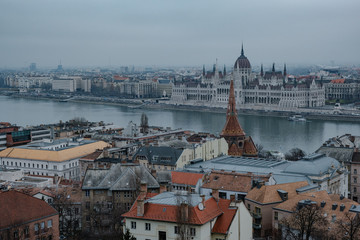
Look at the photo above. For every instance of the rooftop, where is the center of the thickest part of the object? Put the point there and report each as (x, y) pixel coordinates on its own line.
(18, 208)
(35, 152)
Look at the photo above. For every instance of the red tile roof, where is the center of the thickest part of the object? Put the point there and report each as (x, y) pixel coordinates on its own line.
(92, 156)
(168, 213)
(232, 181)
(17, 208)
(186, 178)
(224, 221)
(338, 80)
(269, 194)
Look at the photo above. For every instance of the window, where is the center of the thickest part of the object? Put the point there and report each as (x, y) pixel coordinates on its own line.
(42, 225)
(192, 231)
(88, 218)
(87, 193)
(36, 228)
(276, 215)
(127, 194)
(55, 167)
(354, 189)
(355, 179)
(77, 211)
(87, 205)
(26, 231)
(355, 171)
(133, 225)
(176, 230)
(16, 234)
(49, 223)
(147, 226)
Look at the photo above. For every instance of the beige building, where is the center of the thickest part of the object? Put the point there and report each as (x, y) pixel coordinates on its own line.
(169, 158)
(260, 202)
(53, 158)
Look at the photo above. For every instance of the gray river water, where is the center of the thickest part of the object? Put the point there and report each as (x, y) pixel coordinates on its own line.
(274, 133)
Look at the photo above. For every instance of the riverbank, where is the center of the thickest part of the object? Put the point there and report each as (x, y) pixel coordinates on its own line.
(310, 114)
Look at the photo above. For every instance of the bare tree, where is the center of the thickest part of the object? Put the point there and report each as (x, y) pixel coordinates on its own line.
(294, 154)
(307, 221)
(183, 216)
(69, 214)
(349, 226)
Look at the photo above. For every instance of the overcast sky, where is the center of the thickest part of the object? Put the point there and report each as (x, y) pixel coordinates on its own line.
(178, 32)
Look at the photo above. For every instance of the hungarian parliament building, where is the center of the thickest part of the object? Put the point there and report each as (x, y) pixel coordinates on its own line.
(271, 89)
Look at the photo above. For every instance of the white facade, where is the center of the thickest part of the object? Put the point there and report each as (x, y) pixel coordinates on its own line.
(58, 158)
(202, 232)
(271, 89)
(65, 85)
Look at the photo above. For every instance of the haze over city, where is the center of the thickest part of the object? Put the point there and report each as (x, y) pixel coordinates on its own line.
(177, 33)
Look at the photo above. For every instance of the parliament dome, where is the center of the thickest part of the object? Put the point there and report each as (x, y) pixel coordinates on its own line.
(242, 61)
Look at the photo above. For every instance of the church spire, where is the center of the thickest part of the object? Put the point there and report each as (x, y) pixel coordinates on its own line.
(242, 49)
(285, 70)
(231, 111)
(204, 70)
(224, 70)
(273, 68)
(261, 71)
(239, 144)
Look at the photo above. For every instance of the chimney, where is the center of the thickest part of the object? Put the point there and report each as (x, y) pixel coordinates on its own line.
(140, 207)
(215, 194)
(184, 212)
(153, 172)
(232, 198)
(162, 188)
(202, 199)
(143, 187)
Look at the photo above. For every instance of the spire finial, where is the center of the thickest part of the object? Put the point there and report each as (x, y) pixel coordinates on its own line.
(242, 49)
(273, 68)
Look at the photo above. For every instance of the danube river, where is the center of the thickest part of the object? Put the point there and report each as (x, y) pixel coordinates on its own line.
(274, 133)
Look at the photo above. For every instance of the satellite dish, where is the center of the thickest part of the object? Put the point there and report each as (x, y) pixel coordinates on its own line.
(201, 206)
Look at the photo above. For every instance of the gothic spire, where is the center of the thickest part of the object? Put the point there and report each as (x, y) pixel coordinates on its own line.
(224, 70)
(204, 70)
(273, 68)
(242, 49)
(261, 71)
(231, 111)
(285, 70)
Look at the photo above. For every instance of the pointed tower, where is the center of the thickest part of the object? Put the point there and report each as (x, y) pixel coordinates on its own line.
(224, 70)
(204, 70)
(273, 68)
(284, 79)
(261, 71)
(239, 144)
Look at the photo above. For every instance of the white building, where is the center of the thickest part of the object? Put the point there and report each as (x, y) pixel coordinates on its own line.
(271, 89)
(170, 215)
(71, 84)
(53, 158)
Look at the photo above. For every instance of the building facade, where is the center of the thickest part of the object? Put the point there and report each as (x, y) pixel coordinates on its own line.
(53, 158)
(271, 89)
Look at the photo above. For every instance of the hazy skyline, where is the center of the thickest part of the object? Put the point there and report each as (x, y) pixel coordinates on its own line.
(177, 33)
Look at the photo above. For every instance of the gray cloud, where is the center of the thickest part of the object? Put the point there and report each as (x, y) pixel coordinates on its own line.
(186, 32)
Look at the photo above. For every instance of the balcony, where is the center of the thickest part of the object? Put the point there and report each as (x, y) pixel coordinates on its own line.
(257, 225)
(257, 215)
